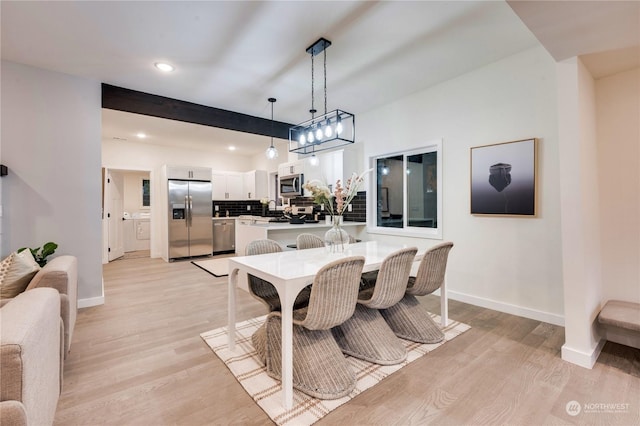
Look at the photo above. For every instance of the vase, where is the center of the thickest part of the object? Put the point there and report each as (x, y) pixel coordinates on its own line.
(336, 239)
(264, 210)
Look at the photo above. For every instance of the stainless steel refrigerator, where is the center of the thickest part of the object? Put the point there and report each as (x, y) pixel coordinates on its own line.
(190, 212)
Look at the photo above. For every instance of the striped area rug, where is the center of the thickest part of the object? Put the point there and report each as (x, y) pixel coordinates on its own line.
(265, 391)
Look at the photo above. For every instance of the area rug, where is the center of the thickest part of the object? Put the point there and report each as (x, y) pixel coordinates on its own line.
(245, 365)
(216, 267)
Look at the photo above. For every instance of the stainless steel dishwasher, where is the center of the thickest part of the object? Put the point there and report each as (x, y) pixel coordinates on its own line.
(224, 235)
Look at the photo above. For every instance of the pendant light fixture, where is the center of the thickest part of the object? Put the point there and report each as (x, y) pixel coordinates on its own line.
(271, 152)
(327, 131)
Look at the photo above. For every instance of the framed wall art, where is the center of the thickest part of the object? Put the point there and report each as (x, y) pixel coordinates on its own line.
(503, 179)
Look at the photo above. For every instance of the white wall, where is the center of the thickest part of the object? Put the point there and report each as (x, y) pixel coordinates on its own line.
(618, 132)
(508, 264)
(51, 144)
(580, 211)
(132, 196)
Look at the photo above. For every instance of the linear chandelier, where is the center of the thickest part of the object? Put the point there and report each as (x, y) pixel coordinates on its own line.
(327, 131)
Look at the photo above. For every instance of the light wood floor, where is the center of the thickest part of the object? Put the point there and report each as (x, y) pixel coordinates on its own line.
(138, 360)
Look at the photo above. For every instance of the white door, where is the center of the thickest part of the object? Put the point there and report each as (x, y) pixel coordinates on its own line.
(115, 211)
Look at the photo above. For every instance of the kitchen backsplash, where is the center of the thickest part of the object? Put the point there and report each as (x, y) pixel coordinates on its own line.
(237, 208)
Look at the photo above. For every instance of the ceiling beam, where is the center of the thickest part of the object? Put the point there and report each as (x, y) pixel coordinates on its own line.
(121, 99)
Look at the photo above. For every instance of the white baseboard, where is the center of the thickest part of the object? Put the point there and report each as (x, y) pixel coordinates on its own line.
(91, 301)
(508, 308)
(580, 358)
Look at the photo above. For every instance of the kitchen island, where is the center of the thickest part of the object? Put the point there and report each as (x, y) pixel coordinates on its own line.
(285, 233)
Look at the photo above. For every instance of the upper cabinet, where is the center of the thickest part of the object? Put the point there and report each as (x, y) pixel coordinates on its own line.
(228, 186)
(256, 185)
(189, 173)
(240, 186)
(293, 168)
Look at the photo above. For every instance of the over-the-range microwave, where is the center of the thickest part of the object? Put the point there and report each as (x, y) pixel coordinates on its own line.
(291, 186)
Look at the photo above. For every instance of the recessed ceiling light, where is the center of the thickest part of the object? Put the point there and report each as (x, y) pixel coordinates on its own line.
(232, 148)
(141, 135)
(163, 66)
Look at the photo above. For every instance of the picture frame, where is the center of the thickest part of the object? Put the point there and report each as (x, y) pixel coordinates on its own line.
(504, 179)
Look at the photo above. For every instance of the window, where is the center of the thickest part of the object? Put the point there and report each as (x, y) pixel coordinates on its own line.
(407, 193)
(146, 193)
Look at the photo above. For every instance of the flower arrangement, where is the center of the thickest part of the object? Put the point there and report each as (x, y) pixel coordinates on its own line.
(264, 201)
(343, 195)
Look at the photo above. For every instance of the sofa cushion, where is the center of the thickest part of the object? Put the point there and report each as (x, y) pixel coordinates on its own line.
(22, 267)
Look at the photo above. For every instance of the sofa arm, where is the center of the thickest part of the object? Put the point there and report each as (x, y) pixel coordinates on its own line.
(30, 358)
(13, 413)
(61, 273)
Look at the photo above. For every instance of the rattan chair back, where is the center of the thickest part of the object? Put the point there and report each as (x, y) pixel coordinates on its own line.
(306, 241)
(391, 282)
(334, 294)
(431, 271)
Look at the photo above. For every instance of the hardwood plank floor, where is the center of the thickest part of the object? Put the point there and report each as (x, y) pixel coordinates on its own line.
(139, 360)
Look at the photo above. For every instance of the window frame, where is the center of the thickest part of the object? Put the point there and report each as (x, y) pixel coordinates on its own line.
(406, 230)
(142, 181)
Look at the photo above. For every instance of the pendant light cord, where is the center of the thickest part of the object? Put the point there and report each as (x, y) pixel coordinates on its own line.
(325, 81)
(312, 110)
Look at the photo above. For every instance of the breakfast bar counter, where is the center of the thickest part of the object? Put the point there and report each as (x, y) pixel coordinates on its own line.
(285, 233)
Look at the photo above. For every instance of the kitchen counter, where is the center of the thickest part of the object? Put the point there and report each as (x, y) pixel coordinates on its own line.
(286, 233)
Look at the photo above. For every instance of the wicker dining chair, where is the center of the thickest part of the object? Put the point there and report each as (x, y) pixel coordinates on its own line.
(306, 241)
(366, 335)
(263, 290)
(319, 367)
(407, 318)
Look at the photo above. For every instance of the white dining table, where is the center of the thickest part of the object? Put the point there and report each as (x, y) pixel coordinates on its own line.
(289, 272)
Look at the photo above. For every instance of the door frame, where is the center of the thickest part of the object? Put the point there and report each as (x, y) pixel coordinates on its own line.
(106, 197)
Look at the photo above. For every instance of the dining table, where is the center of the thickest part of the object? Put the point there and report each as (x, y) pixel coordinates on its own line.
(290, 271)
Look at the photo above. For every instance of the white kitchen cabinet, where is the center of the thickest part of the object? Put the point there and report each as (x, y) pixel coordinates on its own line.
(293, 168)
(189, 173)
(255, 185)
(339, 164)
(228, 186)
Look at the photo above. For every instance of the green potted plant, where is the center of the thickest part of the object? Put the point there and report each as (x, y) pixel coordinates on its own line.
(40, 254)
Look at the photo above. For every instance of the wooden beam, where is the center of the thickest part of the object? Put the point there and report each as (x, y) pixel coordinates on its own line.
(121, 99)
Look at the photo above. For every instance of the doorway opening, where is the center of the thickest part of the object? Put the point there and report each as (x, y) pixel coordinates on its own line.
(127, 214)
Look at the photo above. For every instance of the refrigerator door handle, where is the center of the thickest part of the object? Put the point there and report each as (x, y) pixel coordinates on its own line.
(190, 211)
(186, 211)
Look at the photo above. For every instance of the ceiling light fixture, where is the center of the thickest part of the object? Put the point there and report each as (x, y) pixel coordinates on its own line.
(271, 152)
(314, 160)
(141, 135)
(163, 66)
(327, 131)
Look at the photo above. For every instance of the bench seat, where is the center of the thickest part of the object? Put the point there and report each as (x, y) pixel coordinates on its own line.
(621, 322)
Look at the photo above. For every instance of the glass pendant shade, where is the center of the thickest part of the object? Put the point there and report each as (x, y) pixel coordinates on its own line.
(328, 131)
(271, 152)
(339, 127)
